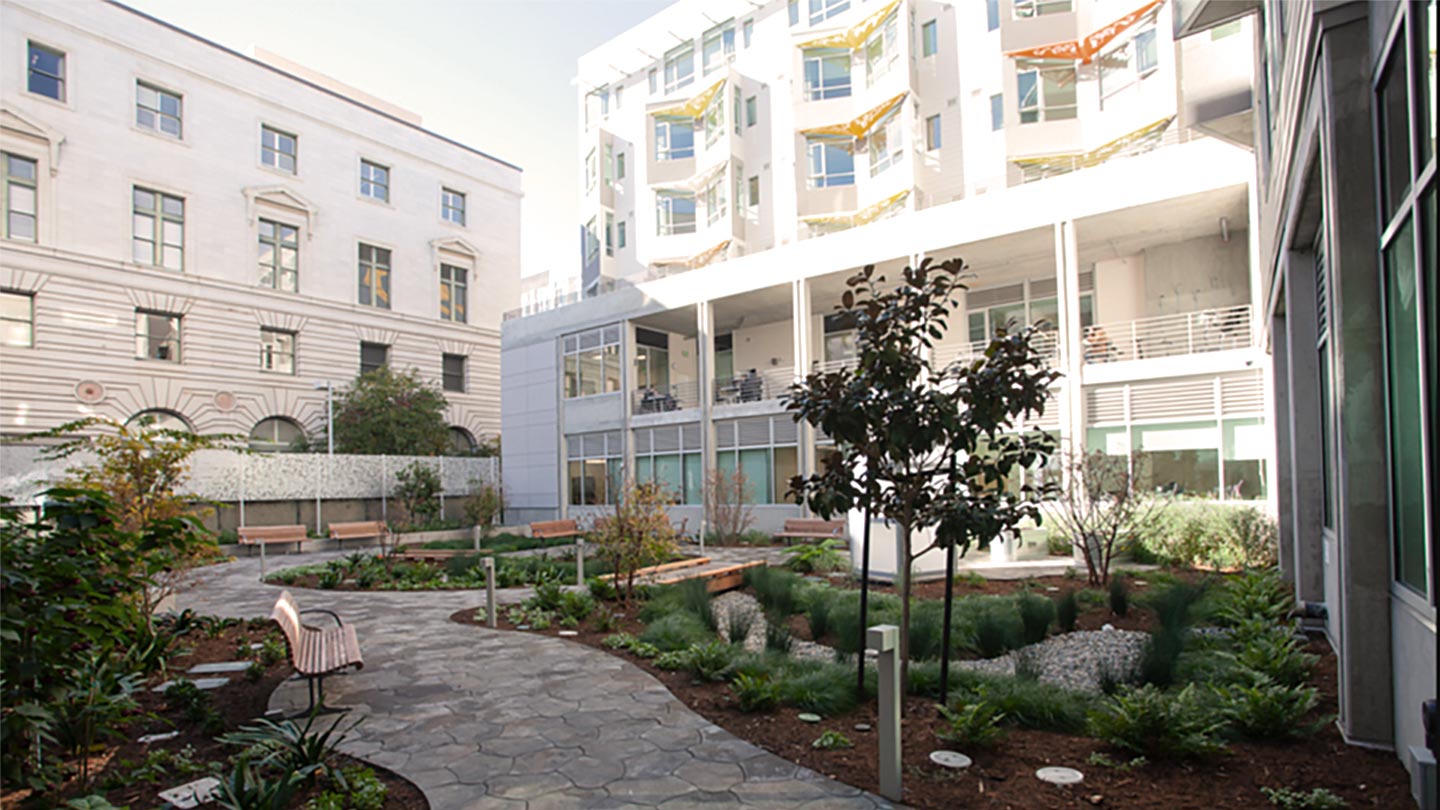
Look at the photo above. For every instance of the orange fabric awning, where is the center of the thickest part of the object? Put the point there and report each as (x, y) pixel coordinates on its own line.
(861, 124)
(707, 256)
(1084, 50)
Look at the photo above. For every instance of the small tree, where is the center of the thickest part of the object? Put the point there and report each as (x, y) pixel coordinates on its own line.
(484, 505)
(727, 502)
(385, 412)
(639, 534)
(1100, 504)
(418, 489)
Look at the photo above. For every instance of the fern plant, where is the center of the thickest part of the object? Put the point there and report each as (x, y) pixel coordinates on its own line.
(755, 693)
(1268, 710)
(1157, 724)
(976, 725)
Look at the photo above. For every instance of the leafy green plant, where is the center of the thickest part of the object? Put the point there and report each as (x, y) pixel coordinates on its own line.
(603, 590)
(1036, 614)
(1067, 611)
(484, 504)
(1317, 799)
(755, 693)
(604, 620)
(1102, 760)
(1265, 710)
(826, 689)
(831, 740)
(996, 633)
(386, 412)
(417, 489)
(363, 791)
(254, 672)
(1027, 703)
(92, 704)
(330, 579)
(818, 557)
(1173, 605)
(638, 534)
(1119, 596)
(272, 651)
(673, 661)
(1278, 655)
(246, 788)
(618, 641)
(1158, 724)
(304, 750)
(1254, 595)
(93, 802)
(695, 597)
(712, 661)
(976, 725)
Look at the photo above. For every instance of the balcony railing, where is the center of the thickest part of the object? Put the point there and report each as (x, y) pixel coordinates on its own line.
(753, 387)
(1047, 343)
(665, 398)
(1208, 330)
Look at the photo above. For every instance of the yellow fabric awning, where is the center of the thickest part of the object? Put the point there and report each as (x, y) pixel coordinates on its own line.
(862, 124)
(1100, 154)
(865, 215)
(705, 257)
(693, 108)
(857, 34)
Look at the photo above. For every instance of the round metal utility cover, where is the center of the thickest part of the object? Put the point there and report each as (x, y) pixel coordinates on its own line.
(862, 726)
(950, 759)
(808, 717)
(1060, 776)
(569, 633)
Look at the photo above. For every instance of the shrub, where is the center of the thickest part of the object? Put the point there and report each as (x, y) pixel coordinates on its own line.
(1278, 655)
(826, 689)
(676, 631)
(832, 740)
(1119, 596)
(819, 557)
(1036, 614)
(710, 662)
(483, 505)
(1254, 595)
(1151, 722)
(695, 596)
(1161, 657)
(738, 623)
(638, 534)
(300, 749)
(923, 678)
(605, 620)
(777, 589)
(1067, 611)
(1264, 709)
(673, 661)
(728, 502)
(755, 693)
(250, 789)
(927, 628)
(603, 590)
(997, 632)
(575, 605)
(417, 489)
(1318, 799)
(357, 788)
(618, 641)
(1251, 537)
(1032, 704)
(386, 412)
(976, 725)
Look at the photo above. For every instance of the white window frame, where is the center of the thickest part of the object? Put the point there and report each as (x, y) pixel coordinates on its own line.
(13, 182)
(375, 185)
(887, 40)
(717, 46)
(819, 91)
(715, 205)
(157, 113)
(1027, 9)
(1040, 109)
(454, 282)
(272, 349)
(276, 162)
(62, 80)
(28, 320)
(886, 145)
(823, 178)
(158, 215)
(449, 211)
(680, 57)
(142, 333)
(822, 10)
(577, 344)
(663, 136)
(665, 224)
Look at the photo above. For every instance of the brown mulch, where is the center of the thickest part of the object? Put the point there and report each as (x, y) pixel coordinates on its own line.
(238, 703)
(1003, 778)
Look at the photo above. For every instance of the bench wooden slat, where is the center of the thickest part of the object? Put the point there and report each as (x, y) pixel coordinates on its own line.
(315, 651)
(271, 534)
(812, 529)
(554, 528)
(357, 529)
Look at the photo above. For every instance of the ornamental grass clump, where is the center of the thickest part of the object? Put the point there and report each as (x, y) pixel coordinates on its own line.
(1036, 614)
(777, 589)
(676, 631)
(1119, 596)
(1067, 612)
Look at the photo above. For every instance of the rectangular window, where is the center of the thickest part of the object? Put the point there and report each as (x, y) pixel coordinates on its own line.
(822, 10)
(279, 256)
(1025, 9)
(592, 241)
(278, 149)
(1046, 90)
(452, 206)
(752, 111)
(1147, 52)
(793, 7)
(373, 356)
(674, 212)
(932, 133)
(17, 319)
(453, 295)
(592, 362)
(1406, 411)
(604, 95)
(374, 276)
(735, 114)
(929, 39)
(619, 166)
(992, 14)
(715, 201)
(620, 234)
(374, 181)
(832, 161)
(717, 46)
(157, 110)
(590, 168)
(452, 372)
(747, 31)
(607, 165)
(594, 468)
(158, 229)
(679, 67)
(609, 234)
(753, 189)
(157, 336)
(714, 118)
(652, 360)
(827, 73)
(674, 138)
(997, 112)
(886, 143)
(21, 191)
(654, 77)
(277, 351)
(46, 72)
(882, 49)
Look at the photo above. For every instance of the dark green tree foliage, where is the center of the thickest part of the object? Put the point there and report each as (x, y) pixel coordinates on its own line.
(384, 412)
(925, 446)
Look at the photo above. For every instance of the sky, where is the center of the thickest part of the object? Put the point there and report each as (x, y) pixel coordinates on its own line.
(496, 75)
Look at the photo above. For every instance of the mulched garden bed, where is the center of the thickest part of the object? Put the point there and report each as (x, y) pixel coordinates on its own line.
(1004, 776)
(120, 767)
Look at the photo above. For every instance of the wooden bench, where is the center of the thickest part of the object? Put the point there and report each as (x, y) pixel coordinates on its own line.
(340, 532)
(547, 529)
(265, 535)
(811, 529)
(316, 651)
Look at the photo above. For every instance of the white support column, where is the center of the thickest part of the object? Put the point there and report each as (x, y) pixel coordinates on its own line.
(562, 475)
(705, 373)
(1072, 356)
(627, 390)
(800, 316)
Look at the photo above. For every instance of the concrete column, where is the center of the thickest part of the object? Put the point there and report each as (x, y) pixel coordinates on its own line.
(885, 639)
(1072, 389)
(800, 315)
(490, 618)
(1281, 474)
(705, 372)
(562, 509)
(1302, 395)
(627, 388)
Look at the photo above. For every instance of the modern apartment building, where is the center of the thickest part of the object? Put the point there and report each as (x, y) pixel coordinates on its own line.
(1345, 141)
(206, 237)
(736, 169)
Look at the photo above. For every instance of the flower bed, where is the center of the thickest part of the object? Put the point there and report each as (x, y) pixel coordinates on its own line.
(367, 572)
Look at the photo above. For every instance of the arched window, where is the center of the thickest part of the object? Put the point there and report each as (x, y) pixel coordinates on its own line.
(462, 441)
(160, 419)
(277, 434)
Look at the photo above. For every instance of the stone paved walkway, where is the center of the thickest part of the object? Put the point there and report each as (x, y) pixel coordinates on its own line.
(495, 719)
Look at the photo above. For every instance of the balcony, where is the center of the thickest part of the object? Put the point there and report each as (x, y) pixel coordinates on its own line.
(1047, 343)
(754, 386)
(667, 398)
(1207, 330)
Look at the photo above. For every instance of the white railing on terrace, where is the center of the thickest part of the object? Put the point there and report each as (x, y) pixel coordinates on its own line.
(665, 398)
(1047, 343)
(1208, 330)
(754, 386)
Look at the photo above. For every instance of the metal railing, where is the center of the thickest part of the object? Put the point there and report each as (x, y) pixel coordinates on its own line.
(753, 386)
(1047, 343)
(1207, 330)
(665, 398)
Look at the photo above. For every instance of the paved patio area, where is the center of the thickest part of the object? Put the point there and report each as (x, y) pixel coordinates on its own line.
(495, 719)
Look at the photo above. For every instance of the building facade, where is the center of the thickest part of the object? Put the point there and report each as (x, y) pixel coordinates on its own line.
(212, 239)
(1345, 140)
(735, 171)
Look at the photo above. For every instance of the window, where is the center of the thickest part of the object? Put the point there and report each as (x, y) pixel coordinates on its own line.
(452, 206)
(1147, 52)
(886, 143)
(674, 138)
(277, 351)
(594, 468)
(592, 241)
(592, 362)
(997, 112)
(279, 256)
(21, 190)
(374, 276)
(674, 212)
(159, 419)
(761, 449)
(714, 117)
(882, 49)
(157, 110)
(752, 111)
(1116, 72)
(747, 31)
(46, 72)
(278, 149)
(932, 133)
(452, 372)
(277, 435)
(373, 356)
(832, 161)
(717, 45)
(840, 347)
(793, 7)
(679, 67)
(827, 73)
(604, 95)
(619, 166)
(609, 234)
(157, 336)
(822, 10)
(1046, 90)
(654, 77)
(453, 297)
(374, 181)
(17, 319)
(620, 234)
(929, 39)
(590, 167)
(1037, 8)
(652, 360)
(724, 358)
(669, 456)
(715, 201)
(753, 192)
(735, 115)
(992, 14)
(158, 229)
(462, 441)
(607, 165)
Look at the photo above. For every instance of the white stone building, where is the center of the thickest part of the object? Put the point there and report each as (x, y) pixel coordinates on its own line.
(203, 235)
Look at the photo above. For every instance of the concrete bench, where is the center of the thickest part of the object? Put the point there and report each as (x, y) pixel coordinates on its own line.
(547, 529)
(811, 529)
(359, 530)
(315, 651)
(265, 535)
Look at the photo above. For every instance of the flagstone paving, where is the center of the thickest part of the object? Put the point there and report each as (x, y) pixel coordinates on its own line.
(494, 719)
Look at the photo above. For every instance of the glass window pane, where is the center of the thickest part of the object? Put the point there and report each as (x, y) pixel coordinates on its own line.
(174, 233)
(173, 206)
(596, 478)
(172, 258)
(591, 371)
(20, 168)
(755, 465)
(786, 467)
(577, 482)
(21, 226)
(694, 478)
(669, 474)
(142, 227)
(1407, 459)
(1395, 131)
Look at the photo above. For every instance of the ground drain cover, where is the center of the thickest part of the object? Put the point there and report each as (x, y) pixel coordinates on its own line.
(950, 759)
(200, 683)
(569, 633)
(219, 667)
(810, 718)
(1060, 776)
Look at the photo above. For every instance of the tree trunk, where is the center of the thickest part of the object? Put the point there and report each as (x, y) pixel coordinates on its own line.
(904, 560)
(864, 604)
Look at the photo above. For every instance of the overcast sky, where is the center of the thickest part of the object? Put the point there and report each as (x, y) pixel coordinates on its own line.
(492, 74)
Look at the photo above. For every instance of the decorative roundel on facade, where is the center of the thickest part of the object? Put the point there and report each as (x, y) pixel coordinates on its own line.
(225, 401)
(89, 391)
